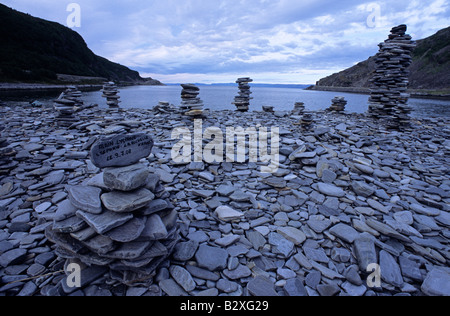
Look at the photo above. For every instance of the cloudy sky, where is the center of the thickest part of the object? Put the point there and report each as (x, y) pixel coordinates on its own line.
(272, 41)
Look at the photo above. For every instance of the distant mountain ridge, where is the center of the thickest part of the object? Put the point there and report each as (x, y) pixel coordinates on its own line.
(36, 50)
(430, 69)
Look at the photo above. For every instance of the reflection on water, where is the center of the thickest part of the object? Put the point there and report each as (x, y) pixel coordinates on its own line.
(220, 98)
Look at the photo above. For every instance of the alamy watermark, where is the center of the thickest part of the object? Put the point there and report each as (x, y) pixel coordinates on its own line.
(74, 18)
(74, 275)
(374, 278)
(222, 147)
(373, 20)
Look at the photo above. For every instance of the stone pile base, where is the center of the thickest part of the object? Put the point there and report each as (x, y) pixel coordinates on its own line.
(120, 223)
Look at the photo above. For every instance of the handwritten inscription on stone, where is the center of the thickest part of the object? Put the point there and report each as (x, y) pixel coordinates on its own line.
(122, 150)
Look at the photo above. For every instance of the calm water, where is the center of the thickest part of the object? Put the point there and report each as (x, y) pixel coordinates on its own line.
(220, 98)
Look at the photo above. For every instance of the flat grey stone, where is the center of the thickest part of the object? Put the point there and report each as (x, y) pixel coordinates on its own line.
(12, 257)
(129, 251)
(106, 221)
(99, 244)
(344, 232)
(328, 290)
(294, 287)
(127, 178)
(437, 282)
(365, 251)
(69, 225)
(155, 206)
(126, 202)
(240, 272)
(292, 234)
(280, 245)
(211, 258)
(330, 190)
(276, 182)
(227, 214)
(129, 231)
(227, 286)
(121, 150)
(154, 229)
(171, 288)
(202, 273)
(85, 198)
(363, 189)
(185, 251)
(390, 270)
(261, 287)
(182, 277)
(65, 210)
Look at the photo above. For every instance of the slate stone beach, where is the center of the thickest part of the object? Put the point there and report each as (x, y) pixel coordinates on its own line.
(93, 201)
(350, 195)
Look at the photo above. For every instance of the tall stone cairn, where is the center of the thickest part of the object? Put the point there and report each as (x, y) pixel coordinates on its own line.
(191, 104)
(110, 92)
(66, 106)
(242, 101)
(120, 225)
(389, 97)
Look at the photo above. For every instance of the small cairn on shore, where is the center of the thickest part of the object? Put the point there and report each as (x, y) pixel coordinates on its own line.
(191, 104)
(242, 101)
(338, 105)
(120, 222)
(163, 107)
(110, 92)
(268, 109)
(389, 97)
(66, 106)
(307, 121)
(299, 108)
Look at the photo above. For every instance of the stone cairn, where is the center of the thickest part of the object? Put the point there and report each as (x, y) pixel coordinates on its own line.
(299, 108)
(338, 105)
(268, 109)
(120, 222)
(110, 92)
(66, 106)
(389, 97)
(191, 104)
(242, 101)
(307, 121)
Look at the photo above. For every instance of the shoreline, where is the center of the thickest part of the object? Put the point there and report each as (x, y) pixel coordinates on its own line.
(366, 91)
(346, 191)
(36, 87)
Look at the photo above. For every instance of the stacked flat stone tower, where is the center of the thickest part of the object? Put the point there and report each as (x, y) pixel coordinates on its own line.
(191, 104)
(389, 97)
(338, 105)
(66, 106)
(120, 223)
(299, 108)
(110, 92)
(242, 101)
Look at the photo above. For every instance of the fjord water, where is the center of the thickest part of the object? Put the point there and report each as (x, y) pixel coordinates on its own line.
(218, 97)
(282, 99)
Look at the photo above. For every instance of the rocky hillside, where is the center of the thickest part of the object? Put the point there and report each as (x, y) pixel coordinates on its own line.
(36, 50)
(430, 69)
